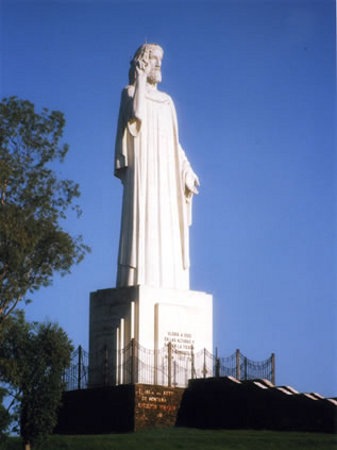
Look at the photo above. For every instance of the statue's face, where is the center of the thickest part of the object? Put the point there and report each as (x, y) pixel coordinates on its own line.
(155, 60)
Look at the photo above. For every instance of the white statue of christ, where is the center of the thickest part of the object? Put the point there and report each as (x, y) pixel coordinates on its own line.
(157, 178)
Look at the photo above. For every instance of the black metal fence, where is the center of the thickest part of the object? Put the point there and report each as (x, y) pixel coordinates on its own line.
(76, 376)
(167, 366)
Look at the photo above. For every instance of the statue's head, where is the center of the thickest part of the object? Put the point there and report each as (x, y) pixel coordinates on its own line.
(145, 54)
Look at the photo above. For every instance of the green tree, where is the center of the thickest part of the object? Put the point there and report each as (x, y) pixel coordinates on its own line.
(5, 418)
(33, 358)
(33, 201)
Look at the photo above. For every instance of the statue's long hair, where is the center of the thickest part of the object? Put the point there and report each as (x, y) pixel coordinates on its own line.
(142, 53)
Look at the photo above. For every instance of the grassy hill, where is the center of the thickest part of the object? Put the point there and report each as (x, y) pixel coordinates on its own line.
(190, 439)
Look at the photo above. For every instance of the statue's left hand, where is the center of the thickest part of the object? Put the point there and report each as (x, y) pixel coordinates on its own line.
(191, 183)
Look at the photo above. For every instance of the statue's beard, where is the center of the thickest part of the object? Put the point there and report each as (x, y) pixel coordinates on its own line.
(154, 76)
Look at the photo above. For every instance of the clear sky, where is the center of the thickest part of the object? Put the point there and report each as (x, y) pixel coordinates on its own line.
(254, 86)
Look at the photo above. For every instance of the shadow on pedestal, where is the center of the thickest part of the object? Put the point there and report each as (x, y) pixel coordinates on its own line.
(122, 408)
(212, 403)
(229, 404)
(95, 411)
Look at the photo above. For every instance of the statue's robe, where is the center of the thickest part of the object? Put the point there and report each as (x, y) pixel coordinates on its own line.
(156, 214)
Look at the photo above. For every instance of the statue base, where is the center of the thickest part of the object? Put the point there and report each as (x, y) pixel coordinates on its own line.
(142, 334)
(118, 409)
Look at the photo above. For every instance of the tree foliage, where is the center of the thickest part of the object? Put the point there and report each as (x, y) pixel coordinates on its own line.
(33, 358)
(33, 200)
(5, 418)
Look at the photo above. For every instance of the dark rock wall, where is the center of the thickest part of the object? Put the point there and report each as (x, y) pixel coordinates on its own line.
(207, 403)
(96, 411)
(223, 403)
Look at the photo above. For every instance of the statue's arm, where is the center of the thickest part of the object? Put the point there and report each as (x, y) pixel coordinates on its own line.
(121, 148)
(190, 178)
(190, 182)
(131, 114)
(134, 110)
(138, 104)
(137, 93)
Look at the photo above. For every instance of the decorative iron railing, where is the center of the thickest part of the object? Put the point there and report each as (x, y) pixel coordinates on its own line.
(167, 366)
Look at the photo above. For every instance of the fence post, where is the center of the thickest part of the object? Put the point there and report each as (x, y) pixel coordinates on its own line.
(132, 368)
(106, 366)
(238, 374)
(217, 363)
(155, 365)
(246, 366)
(133, 361)
(119, 365)
(273, 377)
(169, 364)
(192, 362)
(79, 367)
(204, 370)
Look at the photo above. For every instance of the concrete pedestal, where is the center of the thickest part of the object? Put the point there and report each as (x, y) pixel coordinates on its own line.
(148, 335)
(118, 409)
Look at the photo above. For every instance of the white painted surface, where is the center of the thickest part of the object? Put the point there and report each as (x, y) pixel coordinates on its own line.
(158, 182)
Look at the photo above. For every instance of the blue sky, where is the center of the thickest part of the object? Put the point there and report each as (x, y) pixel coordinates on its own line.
(254, 86)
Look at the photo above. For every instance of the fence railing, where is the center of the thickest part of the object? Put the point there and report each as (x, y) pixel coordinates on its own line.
(76, 376)
(167, 366)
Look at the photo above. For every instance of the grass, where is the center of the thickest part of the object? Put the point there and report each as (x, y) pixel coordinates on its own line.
(190, 439)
